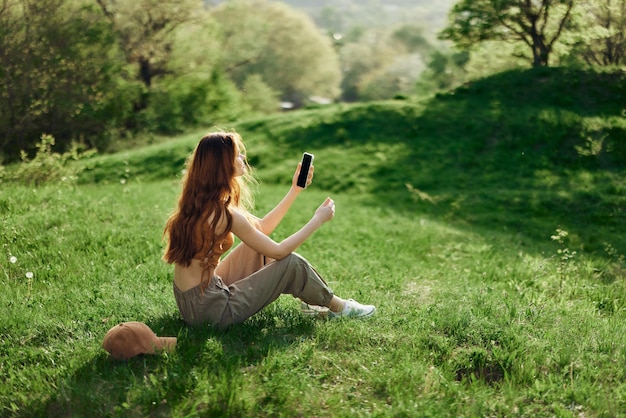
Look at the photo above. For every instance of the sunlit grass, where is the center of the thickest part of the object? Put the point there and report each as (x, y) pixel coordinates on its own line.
(469, 322)
(487, 228)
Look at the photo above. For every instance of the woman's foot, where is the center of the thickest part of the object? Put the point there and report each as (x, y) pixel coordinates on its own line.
(353, 309)
(339, 308)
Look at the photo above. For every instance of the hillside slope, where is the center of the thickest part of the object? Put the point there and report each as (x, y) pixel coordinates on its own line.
(532, 150)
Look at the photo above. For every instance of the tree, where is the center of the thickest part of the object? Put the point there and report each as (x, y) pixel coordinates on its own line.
(284, 47)
(413, 39)
(146, 31)
(600, 32)
(382, 64)
(56, 74)
(536, 23)
(259, 96)
(445, 70)
(170, 48)
(364, 58)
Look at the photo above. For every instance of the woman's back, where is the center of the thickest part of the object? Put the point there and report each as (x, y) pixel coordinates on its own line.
(207, 257)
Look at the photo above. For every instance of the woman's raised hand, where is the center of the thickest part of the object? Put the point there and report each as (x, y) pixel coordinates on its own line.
(326, 211)
(309, 179)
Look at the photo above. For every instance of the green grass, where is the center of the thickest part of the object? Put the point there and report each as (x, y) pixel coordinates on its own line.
(445, 213)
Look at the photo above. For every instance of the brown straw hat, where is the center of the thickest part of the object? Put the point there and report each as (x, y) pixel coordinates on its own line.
(129, 339)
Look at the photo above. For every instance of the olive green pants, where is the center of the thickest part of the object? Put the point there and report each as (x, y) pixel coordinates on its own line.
(253, 284)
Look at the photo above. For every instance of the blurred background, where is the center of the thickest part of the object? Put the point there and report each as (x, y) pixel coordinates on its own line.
(98, 74)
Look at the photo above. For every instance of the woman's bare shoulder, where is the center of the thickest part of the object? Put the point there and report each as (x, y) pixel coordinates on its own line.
(242, 220)
(222, 223)
(238, 214)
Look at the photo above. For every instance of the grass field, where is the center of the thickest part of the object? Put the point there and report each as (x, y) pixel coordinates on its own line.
(488, 228)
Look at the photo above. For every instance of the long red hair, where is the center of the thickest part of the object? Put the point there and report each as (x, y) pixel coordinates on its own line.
(210, 187)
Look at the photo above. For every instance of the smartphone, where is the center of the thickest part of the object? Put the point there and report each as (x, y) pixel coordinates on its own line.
(307, 162)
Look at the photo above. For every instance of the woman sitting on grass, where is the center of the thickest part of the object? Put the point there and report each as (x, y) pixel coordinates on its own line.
(212, 207)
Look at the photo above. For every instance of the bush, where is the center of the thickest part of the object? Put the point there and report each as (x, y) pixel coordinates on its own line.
(259, 96)
(47, 166)
(178, 104)
(58, 75)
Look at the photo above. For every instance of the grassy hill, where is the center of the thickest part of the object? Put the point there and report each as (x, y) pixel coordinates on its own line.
(526, 150)
(487, 225)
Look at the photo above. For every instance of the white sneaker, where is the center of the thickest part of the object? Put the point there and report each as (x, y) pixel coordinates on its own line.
(354, 309)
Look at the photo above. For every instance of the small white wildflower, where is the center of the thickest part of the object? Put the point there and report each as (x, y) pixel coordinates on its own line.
(29, 274)
(13, 259)
(122, 181)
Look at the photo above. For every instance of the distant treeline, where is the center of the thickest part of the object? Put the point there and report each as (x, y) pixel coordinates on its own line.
(91, 72)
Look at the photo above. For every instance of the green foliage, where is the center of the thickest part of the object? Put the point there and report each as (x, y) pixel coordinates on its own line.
(99, 72)
(413, 38)
(445, 70)
(382, 64)
(565, 256)
(536, 24)
(47, 166)
(146, 29)
(176, 104)
(281, 45)
(493, 57)
(57, 77)
(596, 34)
(259, 96)
(120, 76)
(396, 80)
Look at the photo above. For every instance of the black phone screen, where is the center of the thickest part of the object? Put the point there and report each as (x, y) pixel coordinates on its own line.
(307, 160)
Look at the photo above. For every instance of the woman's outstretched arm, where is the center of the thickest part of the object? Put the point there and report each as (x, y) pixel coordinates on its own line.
(266, 246)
